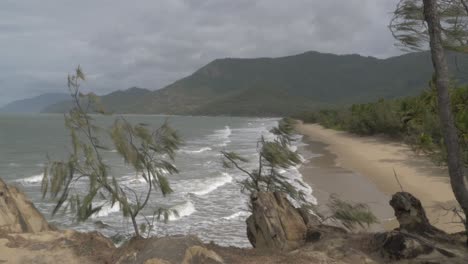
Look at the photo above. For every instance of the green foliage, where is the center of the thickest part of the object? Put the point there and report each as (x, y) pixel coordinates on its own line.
(412, 119)
(150, 153)
(273, 156)
(410, 29)
(350, 215)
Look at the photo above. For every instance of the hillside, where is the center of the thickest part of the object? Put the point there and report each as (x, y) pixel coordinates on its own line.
(285, 85)
(34, 104)
(127, 101)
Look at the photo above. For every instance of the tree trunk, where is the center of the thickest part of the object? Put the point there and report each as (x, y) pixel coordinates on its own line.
(135, 225)
(455, 164)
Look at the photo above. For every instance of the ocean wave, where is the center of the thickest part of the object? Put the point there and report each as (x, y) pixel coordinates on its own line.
(240, 214)
(294, 177)
(32, 180)
(133, 180)
(12, 164)
(182, 210)
(212, 184)
(224, 135)
(106, 210)
(195, 151)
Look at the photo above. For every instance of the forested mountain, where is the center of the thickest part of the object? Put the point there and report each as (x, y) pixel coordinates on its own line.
(285, 85)
(34, 104)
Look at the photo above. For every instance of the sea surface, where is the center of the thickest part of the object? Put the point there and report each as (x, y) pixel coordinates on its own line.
(207, 196)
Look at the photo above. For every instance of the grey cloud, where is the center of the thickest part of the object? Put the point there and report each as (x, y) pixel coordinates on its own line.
(151, 43)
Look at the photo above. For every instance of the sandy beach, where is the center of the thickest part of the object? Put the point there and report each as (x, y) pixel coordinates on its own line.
(361, 169)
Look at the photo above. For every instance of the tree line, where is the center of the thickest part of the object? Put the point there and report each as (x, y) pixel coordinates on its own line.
(413, 120)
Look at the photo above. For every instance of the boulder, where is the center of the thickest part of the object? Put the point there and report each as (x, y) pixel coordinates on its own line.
(174, 249)
(416, 239)
(412, 217)
(275, 223)
(18, 214)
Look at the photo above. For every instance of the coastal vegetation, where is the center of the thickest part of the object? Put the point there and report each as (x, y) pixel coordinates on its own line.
(150, 152)
(413, 120)
(435, 122)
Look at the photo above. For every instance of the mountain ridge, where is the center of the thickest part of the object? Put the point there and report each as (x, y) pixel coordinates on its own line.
(33, 104)
(283, 85)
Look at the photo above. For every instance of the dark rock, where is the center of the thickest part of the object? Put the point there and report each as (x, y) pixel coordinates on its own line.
(412, 216)
(416, 239)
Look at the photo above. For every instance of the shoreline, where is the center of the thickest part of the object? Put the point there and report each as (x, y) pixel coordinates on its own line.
(360, 169)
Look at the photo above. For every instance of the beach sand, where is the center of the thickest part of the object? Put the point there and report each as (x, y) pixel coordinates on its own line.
(361, 169)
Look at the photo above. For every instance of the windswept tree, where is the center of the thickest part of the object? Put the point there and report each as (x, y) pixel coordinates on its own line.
(150, 152)
(410, 28)
(273, 156)
(442, 25)
(276, 155)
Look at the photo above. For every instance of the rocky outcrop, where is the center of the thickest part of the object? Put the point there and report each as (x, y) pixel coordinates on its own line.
(279, 232)
(167, 250)
(18, 214)
(55, 247)
(416, 239)
(275, 223)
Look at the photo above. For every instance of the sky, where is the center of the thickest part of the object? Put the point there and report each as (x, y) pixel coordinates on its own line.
(152, 43)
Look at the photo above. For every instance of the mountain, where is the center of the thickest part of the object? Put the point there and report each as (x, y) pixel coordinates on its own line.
(34, 104)
(127, 101)
(285, 85)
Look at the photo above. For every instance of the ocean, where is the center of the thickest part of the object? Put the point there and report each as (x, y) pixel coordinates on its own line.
(206, 196)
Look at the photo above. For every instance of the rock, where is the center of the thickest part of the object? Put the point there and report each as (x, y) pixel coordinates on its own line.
(198, 254)
(275, 223)
(416, 239)
(156, 261)
(18, 214)
(412, 217)
(174, 249)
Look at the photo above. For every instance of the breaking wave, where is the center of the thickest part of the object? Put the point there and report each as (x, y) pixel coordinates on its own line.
(32, 180)
(213, 184)
(241, 214)
(106, 210)
(195, 151)
(183, 210)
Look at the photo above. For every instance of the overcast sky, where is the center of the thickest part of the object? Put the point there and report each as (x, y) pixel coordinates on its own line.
(151, 43)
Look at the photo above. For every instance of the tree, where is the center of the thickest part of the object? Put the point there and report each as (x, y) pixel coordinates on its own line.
(409, 28)
(150, 153)
(435, 14)
(276, 155)
(273, 156)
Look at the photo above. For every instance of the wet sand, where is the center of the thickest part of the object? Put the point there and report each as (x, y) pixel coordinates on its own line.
(360, 169)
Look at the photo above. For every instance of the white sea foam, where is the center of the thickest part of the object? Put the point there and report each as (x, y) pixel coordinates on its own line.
(238, 215)
(183, 210)
(106, 210)
(12, 164)
(224, 135)
(195, 151)
(133, 180)
(212, 184)
(32, 180)
(294, 177)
